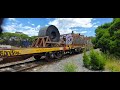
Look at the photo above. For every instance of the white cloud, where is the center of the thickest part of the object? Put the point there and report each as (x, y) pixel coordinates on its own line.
(29, 30)
(46, 25)
(95, 26)
(9, 28)
(38, 26)
(83, 32)
(65, 24)
(12, 19)
(72, 22)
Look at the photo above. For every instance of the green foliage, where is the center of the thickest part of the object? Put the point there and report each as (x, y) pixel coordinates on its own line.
(97, 60)
(32, 38)
(1, 41)
(108, 37)
(15, 39)
(115, 26)
(112, 63)
(93, 39)
(70, 67)
(94, 60)
(86, 60)
(104, 41)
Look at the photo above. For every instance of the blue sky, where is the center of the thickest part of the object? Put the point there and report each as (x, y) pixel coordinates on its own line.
(31, 26)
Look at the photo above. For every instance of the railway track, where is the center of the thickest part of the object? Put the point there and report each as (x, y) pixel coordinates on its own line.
(28, 64)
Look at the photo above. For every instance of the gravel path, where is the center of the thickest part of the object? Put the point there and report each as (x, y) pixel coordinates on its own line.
(59, 65)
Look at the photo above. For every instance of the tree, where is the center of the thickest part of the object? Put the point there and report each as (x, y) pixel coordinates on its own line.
(16, 39)
(108, 37)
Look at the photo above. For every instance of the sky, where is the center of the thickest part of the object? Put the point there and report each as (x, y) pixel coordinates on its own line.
(31, 26)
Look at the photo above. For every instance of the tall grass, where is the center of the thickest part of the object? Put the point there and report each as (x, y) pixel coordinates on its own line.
(70, 67)
(112, 63)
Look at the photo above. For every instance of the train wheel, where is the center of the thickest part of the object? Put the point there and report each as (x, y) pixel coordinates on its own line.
(70, 52)
(58, 55)
(79, 50)
(37, 57)
(73, 51)
(48, 57)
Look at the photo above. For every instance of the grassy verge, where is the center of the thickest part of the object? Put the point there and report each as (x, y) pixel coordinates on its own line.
(100, 61)
(112, 64)
(70, 67)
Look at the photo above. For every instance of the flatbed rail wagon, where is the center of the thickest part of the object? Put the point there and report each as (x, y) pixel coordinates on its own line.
(49, 44)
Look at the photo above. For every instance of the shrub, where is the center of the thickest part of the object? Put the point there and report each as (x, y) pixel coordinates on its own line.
(97, 60)
(70, 67)
(86, 60)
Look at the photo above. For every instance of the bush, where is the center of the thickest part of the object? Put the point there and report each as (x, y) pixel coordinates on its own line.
(97, 60)
(70, 67)
(94, 60)
(86, 60)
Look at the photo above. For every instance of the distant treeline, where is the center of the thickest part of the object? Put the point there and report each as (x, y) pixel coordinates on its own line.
(108, 37)
(16, 39)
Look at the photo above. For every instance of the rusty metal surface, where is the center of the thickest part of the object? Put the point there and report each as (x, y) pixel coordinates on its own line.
(45, 42)
(74, 39)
